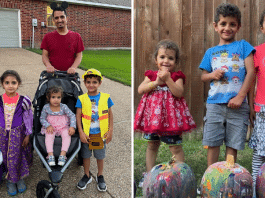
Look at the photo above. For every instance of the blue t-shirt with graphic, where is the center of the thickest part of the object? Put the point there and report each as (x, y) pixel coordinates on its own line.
(94, 127)
(230, 58)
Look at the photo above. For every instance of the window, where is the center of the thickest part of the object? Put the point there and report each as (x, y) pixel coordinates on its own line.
(49, 17)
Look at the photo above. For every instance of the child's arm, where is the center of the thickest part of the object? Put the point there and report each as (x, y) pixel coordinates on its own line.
(239, 98)
(72, 119)
(147, 85)
(109, 134)
(83, 136)
(215, 75)
(251, 93)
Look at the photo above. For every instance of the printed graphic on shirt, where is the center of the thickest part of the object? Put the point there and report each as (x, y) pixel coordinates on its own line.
(94, 119)
(234, 75)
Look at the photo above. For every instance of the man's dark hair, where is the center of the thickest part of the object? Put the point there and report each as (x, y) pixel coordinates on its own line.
(227, 10)
(63, 7)
(261, 21)
(91, 76)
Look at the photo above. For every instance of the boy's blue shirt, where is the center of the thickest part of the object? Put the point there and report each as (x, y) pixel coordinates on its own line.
(94, 127)
(229, 58)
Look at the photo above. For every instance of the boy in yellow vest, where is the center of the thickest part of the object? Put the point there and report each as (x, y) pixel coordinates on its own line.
(94, 119)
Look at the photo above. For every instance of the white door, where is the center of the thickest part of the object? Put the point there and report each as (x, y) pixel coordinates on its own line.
(9, 28)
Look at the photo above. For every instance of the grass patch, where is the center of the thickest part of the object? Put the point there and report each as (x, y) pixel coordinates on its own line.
(113, 64)
(195, 157)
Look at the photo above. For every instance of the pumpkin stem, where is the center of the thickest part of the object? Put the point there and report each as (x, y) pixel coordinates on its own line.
(230, 162)
(173, 160)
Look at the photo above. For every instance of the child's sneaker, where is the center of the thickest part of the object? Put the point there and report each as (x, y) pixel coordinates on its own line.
(21, 186)
(61, 160)
(141, 182)
(101, 183)
(84, 181)
(51, 160)
(11, 188)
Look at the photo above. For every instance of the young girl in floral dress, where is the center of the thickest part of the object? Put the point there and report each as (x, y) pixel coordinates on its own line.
(162, 113)
(16, 121)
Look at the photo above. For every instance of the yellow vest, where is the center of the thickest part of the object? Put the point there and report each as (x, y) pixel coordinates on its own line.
(103, 113)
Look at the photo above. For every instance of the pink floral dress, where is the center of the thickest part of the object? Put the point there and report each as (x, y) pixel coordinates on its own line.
(160, 112)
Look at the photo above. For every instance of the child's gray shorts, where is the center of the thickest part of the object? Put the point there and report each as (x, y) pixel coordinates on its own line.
(98, 153)
(223, 124)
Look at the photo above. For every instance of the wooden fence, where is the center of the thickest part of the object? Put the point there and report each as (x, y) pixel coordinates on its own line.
(190, 24)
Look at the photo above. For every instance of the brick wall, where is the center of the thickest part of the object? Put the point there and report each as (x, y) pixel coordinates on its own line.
(98, 27)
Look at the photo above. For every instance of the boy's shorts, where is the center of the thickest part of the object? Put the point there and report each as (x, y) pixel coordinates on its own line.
(169, 140)
(223, 124)
(98, 153)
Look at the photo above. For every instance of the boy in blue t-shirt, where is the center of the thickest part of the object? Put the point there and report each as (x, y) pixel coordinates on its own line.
(94, 117)
(229, 68)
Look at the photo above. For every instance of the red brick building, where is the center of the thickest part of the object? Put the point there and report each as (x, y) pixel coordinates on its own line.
(101, 23)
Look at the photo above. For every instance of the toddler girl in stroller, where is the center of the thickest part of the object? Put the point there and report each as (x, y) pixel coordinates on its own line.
(55, 118)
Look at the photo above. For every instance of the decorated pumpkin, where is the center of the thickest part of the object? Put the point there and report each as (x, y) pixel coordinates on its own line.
(170, 179)
(226, 179)
(260, 182)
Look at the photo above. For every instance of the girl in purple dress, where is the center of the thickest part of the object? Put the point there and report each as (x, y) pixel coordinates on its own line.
(55, 119)
(16, 121)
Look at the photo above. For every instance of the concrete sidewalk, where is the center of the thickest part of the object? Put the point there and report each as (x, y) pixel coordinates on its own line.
(117, 166)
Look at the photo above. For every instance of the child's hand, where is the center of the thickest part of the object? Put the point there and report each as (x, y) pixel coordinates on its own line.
(163, 75)
(252, 116)
(217, 74)
(71, 131)
(235, 102)
(83, 137)
(158, 81)
(50, 129)
(108, 136)
(25, 141)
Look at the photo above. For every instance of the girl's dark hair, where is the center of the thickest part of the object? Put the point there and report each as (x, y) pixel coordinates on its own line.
(91, 76)
(53, 89)
(10, 73)
(227, 10)
(261, 21)
(167, 44)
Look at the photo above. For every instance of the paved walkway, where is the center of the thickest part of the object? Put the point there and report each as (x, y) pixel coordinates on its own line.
(117, 167)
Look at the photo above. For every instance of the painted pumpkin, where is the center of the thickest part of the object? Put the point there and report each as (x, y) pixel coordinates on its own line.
(226, 179)
(260, 182)
(170, 179)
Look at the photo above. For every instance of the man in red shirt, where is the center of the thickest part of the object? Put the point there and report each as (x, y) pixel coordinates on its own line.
(62, 48)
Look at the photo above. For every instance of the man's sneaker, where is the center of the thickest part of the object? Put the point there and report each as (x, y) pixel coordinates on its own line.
(21, 186)
(141, 182)
(84, 181)
(101, 183)
(11, 188)
(61, 160)
(51, 160)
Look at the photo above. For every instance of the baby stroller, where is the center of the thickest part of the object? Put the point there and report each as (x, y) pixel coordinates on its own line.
(72, 89)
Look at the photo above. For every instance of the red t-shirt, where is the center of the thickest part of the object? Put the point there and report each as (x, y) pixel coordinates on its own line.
(62, 49)
(259, 63)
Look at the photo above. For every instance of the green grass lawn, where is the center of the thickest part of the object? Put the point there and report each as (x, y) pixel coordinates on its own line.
(113, 64)
(195, 157)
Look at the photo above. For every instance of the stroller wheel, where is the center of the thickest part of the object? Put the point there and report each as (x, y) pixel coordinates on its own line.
(44, 187)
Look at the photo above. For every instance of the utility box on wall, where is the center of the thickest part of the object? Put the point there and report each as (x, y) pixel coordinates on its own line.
(34, 22)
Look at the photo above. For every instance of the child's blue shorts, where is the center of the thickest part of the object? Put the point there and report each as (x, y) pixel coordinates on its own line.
(223, 124)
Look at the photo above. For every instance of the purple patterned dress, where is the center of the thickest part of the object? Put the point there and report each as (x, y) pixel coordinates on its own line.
(16, 159)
